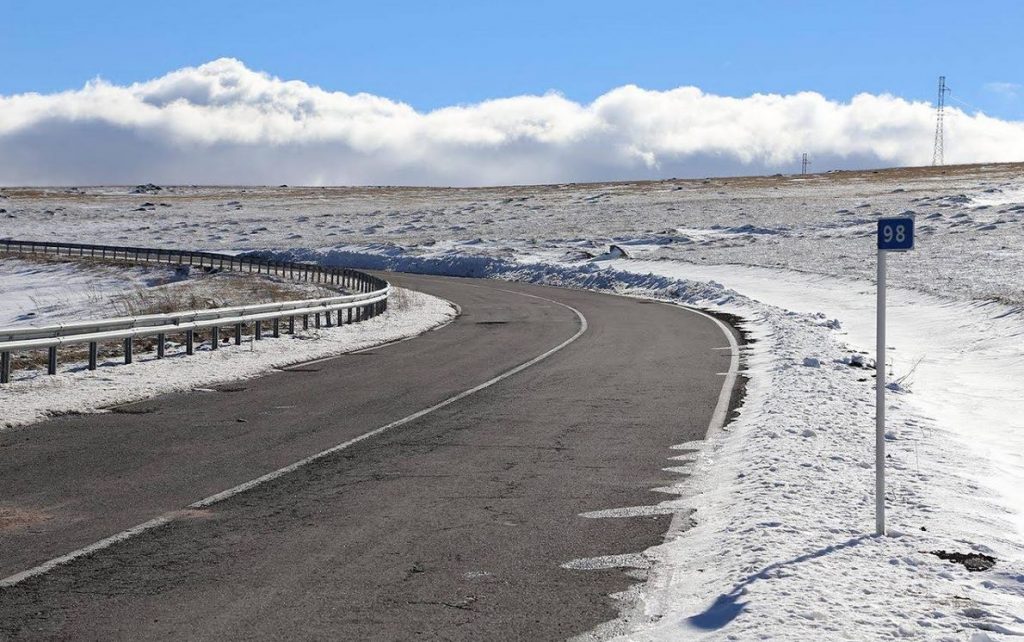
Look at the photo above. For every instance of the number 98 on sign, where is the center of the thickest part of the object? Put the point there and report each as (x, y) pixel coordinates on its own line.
(896, 234)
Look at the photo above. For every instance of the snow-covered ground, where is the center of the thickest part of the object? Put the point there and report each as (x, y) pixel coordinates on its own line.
(772, 534)
(43, 292)
(34, 395)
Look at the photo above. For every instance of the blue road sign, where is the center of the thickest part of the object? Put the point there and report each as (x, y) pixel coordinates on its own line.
(896, 234)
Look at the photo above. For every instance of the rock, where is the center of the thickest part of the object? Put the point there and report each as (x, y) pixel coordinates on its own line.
(812, 362)
(614, 252)
(971, 561)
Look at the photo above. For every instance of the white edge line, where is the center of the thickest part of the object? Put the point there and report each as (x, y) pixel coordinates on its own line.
(166, 518)
(718, 418)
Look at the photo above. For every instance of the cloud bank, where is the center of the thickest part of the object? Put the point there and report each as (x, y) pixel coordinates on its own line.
(222, 123)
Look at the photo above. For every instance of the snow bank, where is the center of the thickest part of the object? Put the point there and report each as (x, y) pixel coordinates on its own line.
(32, 395)
(590, 276)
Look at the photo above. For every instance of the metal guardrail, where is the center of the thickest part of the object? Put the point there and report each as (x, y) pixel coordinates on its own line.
(371, 300)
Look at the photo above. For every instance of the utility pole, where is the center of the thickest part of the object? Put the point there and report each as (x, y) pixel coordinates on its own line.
(803, 164)
(940, 105)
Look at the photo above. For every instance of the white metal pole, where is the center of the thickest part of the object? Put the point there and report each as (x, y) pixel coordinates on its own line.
(880, 400)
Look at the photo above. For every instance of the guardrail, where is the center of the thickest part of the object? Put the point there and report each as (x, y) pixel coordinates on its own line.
(371, 300)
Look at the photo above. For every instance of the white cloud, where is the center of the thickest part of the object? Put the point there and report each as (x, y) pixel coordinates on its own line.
(1005, 89)
(224, 123)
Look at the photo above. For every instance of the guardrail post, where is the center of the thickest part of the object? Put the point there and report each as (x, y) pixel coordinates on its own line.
(350, 315)
(127, 350)
(291, 324)
(277, 327)
(51, 361)
(316, 319)
(161, 339)
(258, 330)
(5, 367)
(214, 338)
(238, 334)
(305, 322)
(93, 353)
(190, 341)
(328, 313)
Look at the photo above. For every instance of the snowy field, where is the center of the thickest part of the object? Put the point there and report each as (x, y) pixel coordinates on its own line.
(45, 291)
(772, 533)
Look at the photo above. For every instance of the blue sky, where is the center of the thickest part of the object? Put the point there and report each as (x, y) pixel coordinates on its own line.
(434, 54)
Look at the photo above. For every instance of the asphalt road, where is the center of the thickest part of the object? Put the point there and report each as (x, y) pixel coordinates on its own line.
(455, 525)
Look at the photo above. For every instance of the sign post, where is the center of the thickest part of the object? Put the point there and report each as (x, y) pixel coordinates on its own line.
(894, 235)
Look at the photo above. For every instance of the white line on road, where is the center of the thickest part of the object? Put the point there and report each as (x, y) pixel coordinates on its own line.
(722, 407)
(49, 565)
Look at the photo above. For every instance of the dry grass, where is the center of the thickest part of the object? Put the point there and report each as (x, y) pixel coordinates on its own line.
(214, 290)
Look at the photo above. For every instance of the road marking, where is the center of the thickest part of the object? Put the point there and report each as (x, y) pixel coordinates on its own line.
(680, 521)
(722, 407)
(166, 518)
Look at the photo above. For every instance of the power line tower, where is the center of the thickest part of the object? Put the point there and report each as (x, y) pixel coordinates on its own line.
(804, 163)
(940, 105)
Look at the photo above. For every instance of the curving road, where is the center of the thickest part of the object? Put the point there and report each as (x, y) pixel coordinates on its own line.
(455, 523)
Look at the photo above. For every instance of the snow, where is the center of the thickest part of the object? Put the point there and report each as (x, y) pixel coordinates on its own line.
(964, 361)
(33, 395)
(46, 292)
(772, 531)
